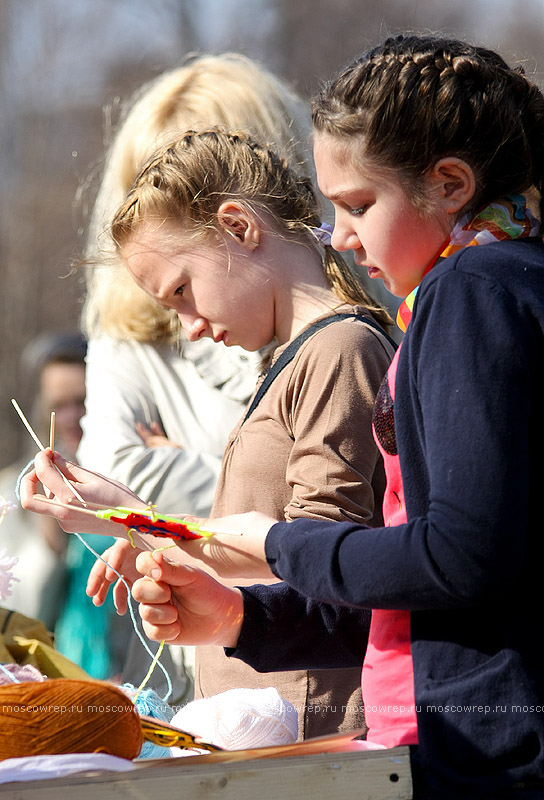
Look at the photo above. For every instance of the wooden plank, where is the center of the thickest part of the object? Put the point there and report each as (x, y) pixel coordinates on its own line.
(376, 775)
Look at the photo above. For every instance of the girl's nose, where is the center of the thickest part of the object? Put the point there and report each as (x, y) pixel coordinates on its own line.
(194, 327)
(344, 238)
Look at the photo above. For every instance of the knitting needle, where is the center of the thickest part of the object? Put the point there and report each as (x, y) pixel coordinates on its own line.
(51, 502)
(27, 425)
(52, 432)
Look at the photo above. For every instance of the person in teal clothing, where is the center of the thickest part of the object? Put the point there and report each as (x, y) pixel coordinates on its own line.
(94, 637)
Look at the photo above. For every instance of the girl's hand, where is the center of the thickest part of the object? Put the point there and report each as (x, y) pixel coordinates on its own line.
(154, 436)
(94, 488)
(184, 605)
(121, 556)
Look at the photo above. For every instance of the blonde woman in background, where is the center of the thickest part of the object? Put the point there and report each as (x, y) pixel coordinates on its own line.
(159, 408)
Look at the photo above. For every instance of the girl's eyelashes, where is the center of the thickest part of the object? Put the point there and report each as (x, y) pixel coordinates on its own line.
(179, 291)
(357, 212)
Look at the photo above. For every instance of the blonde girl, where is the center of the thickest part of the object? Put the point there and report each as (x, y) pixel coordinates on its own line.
(220, 229)
(143, 425)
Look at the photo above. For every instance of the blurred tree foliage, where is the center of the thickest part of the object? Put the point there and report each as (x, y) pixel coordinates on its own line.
(52, 134)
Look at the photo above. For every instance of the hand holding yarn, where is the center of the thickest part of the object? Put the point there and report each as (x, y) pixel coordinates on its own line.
(183, 605)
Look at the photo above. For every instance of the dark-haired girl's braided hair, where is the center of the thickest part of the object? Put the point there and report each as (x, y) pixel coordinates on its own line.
(192, 176)
(416, 99)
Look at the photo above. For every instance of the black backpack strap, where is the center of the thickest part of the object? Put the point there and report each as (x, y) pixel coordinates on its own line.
(291, 350)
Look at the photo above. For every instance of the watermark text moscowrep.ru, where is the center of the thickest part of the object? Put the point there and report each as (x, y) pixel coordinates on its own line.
(61, 709)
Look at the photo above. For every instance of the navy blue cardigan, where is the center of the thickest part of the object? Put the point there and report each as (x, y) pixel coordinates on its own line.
(468, 562)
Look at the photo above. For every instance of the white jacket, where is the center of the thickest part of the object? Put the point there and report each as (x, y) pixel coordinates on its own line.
(197, 397)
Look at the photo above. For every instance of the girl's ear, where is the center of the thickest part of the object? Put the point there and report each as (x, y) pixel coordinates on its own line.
(236, 221)
(454, 182)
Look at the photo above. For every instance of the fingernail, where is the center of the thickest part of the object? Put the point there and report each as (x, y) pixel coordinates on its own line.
(155, 574)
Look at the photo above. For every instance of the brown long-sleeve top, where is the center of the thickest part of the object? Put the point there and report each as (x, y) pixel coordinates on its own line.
(307, 450)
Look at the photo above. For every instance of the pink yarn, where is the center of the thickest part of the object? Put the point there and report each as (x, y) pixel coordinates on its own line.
(20, 674)
(6, 576)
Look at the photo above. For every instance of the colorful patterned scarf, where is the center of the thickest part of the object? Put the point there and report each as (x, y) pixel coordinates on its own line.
(508, 218)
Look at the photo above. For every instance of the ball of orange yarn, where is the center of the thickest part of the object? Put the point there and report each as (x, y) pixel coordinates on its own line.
(67, 716)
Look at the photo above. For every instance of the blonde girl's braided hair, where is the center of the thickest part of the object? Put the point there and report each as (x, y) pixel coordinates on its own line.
(416, 99)
(191, 177)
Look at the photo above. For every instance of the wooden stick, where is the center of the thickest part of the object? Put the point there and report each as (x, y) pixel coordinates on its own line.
(59, 504)
(27, 425)
(52, 431)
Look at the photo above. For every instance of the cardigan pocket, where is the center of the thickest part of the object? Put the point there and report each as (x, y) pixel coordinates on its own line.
(485, 719)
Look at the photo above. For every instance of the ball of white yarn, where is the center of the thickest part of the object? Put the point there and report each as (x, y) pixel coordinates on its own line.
(240, 718)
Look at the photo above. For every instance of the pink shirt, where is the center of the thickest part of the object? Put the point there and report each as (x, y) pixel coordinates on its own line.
(388, 675)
